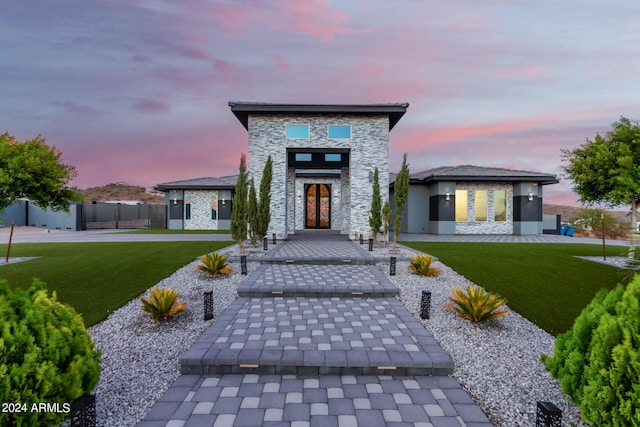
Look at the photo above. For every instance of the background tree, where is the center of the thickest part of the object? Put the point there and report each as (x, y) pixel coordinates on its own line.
(252, 214)
(264, 206)
(592, 219)
(400, 193)
(607, 169)
(239, 208)
(32, 169)
(386, 220)
(375, 218)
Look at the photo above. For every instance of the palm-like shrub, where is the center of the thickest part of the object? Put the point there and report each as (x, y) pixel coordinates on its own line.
(46, 354)
(475, 304)
(162, 304)
(421, 264)
(214, 264)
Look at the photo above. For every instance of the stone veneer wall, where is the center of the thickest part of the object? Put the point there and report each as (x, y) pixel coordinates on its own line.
(369, 148)
(200, 210)
(490, 226)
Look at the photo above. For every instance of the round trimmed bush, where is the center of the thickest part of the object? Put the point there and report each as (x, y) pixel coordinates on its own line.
(46, 356)
(598, 360)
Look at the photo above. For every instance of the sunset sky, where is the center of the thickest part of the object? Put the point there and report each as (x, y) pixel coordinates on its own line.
(138, 91)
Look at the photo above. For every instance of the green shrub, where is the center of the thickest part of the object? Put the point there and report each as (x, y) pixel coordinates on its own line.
(162, 304)
(421, 265)
(214, 264)
(46, 355)
(476, 304)
(598, 360)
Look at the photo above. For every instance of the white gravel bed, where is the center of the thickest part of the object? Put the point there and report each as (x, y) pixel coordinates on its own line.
(498, 362)
(140, 359)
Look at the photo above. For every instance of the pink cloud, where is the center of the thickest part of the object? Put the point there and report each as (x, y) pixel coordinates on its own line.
(525, 72)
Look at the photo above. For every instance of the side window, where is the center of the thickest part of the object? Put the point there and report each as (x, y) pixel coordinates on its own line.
(462, 214)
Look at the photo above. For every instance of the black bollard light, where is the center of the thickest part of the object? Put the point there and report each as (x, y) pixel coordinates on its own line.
(548, 415)
(243, 265)
(208, 305)
(425, 305)
(392, 266)
(265, 243)
(370, 245)
(361, 239)
(273, 238)
(83, 411)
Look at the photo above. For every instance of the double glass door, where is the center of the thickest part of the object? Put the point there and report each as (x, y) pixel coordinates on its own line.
(318, 206)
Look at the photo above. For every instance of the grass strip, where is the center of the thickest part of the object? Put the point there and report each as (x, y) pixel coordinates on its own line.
(545, 283)
(98, 278)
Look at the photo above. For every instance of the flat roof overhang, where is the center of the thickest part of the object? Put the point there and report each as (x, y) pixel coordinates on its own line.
(242, 110)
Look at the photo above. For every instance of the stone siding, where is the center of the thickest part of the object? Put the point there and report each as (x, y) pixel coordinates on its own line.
(368, 148)
(201, 203)
(490, 226)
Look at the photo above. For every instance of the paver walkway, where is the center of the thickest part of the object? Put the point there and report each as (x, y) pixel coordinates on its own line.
(318, 341)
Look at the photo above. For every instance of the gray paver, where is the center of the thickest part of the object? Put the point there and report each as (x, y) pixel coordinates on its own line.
(324, 356)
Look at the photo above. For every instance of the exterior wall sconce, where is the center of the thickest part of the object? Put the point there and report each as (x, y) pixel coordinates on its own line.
(224, 201)
(175, 200)
(447, 196)
(530, 196)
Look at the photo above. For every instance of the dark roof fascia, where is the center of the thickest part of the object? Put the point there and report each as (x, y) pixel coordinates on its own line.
(542, 179)
(168, 187)
(242, 110)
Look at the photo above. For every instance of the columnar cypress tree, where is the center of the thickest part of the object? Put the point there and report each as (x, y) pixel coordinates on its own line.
(239, 207)
(386, 220)
(264, 207)
(252, 214)
(400, 194)
(375, 218)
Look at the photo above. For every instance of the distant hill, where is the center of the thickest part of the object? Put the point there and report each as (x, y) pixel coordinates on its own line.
(121, 191)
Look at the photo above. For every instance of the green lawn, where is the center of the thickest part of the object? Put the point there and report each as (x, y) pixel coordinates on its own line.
(98, 278)
(163, 231)
(543, 282)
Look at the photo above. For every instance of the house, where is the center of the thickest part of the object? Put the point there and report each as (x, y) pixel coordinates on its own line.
(323, 161)
(199, 204)
(474, 200)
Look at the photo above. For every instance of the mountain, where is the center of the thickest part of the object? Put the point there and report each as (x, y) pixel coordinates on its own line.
(121, 191)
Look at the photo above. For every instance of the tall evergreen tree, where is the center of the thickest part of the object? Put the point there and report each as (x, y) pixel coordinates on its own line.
(386, 220)
(252, 214)
(239, 208)
(400, 194)
(264, 206)
(375, 218)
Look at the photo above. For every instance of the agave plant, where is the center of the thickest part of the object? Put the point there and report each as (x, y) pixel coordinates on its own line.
(214, 264)
(421, 265)
(162, 304)
(476, 304)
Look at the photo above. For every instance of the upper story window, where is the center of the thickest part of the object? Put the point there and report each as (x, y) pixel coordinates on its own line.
(298, 131)
(339, 131)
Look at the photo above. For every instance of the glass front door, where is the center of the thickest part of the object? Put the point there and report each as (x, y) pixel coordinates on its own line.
(318, 206)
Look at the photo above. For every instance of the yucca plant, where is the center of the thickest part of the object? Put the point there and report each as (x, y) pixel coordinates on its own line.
(421, 265)
(476, 304)
(214, 264)
(162, 304)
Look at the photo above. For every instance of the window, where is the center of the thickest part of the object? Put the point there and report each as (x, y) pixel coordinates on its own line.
(187, 209)
(298, 131)
(461, 206)
(332, 157)
(340, 131)
(500, 205)
(481, 205)
(303, 157)
(214, 209)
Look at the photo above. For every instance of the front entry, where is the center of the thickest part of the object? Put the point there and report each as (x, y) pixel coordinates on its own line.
(317, 205)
